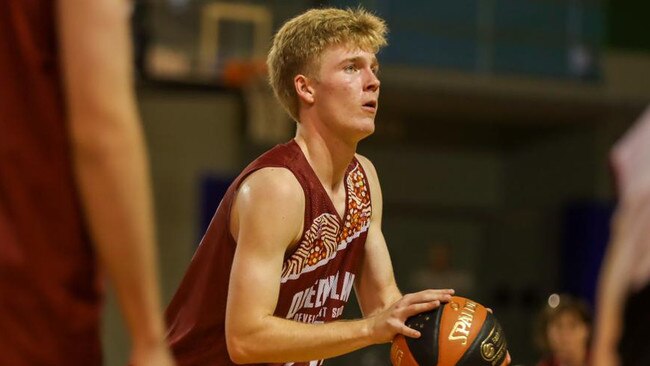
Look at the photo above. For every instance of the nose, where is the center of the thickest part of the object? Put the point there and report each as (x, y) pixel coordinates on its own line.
(372, 83)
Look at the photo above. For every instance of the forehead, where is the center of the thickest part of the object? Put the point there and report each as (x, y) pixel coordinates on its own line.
(566, 316)
(340, 53)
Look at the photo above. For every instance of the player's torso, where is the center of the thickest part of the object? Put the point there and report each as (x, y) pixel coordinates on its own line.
(318, 276)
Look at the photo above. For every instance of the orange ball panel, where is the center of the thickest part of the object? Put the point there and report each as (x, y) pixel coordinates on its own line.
(461, 323)
(400, 354)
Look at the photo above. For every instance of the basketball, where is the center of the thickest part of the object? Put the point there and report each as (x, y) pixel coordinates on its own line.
(461, 332)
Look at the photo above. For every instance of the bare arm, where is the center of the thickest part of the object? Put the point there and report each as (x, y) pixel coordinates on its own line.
(267, 218)
(626, 266)
(110, 161)
(610, 301)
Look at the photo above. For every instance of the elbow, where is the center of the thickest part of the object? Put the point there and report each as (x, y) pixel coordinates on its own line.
(236, 350)
(248, 341)
(240, 349)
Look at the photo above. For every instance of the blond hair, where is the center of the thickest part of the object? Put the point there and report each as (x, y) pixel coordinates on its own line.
(299, 43)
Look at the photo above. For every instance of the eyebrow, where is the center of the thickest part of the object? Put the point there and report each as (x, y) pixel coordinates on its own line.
(355, 59)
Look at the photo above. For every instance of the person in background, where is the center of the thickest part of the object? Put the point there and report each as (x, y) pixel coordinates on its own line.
(564, 331)
(75, 196)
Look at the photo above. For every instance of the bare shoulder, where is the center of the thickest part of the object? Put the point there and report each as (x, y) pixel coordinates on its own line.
(273, 186)
(269, 202)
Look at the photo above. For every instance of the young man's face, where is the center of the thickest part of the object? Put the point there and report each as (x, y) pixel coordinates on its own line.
(347, 91)
(567, 336)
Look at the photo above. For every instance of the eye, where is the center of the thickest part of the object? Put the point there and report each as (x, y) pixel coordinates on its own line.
(351, 68)
(375, 70)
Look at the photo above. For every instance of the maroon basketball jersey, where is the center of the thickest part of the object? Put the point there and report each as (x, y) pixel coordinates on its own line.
(49, 293)
(317, 277)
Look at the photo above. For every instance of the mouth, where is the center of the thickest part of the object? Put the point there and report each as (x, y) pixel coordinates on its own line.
(370, 106)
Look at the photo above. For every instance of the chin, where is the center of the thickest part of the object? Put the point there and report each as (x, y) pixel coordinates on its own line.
(366, 130)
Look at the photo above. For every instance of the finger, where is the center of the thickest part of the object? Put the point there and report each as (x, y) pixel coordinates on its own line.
(445, 291)
(507, 361)
(409, 332)
(415, 309)
(428, 296)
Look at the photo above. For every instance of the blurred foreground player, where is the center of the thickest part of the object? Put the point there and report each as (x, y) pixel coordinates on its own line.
(623, 319)
(74, 187)
(301, 225)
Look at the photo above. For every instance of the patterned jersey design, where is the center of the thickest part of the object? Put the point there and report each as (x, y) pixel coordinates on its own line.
(325, 238)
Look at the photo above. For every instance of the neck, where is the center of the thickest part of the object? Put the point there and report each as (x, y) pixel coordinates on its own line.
(574, 360)
(328, 156)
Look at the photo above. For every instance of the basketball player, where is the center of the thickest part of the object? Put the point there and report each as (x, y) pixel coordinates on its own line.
(624, 289)
(74, 187)
(301, 225)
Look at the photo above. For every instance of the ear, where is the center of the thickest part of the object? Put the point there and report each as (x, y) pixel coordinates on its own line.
(304, 88)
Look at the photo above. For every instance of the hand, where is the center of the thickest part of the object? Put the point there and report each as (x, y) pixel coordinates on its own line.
(387, 324)
(157, 355)
(508, 360)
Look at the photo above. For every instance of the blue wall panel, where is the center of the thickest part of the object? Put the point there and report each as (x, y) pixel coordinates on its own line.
(552, 38)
